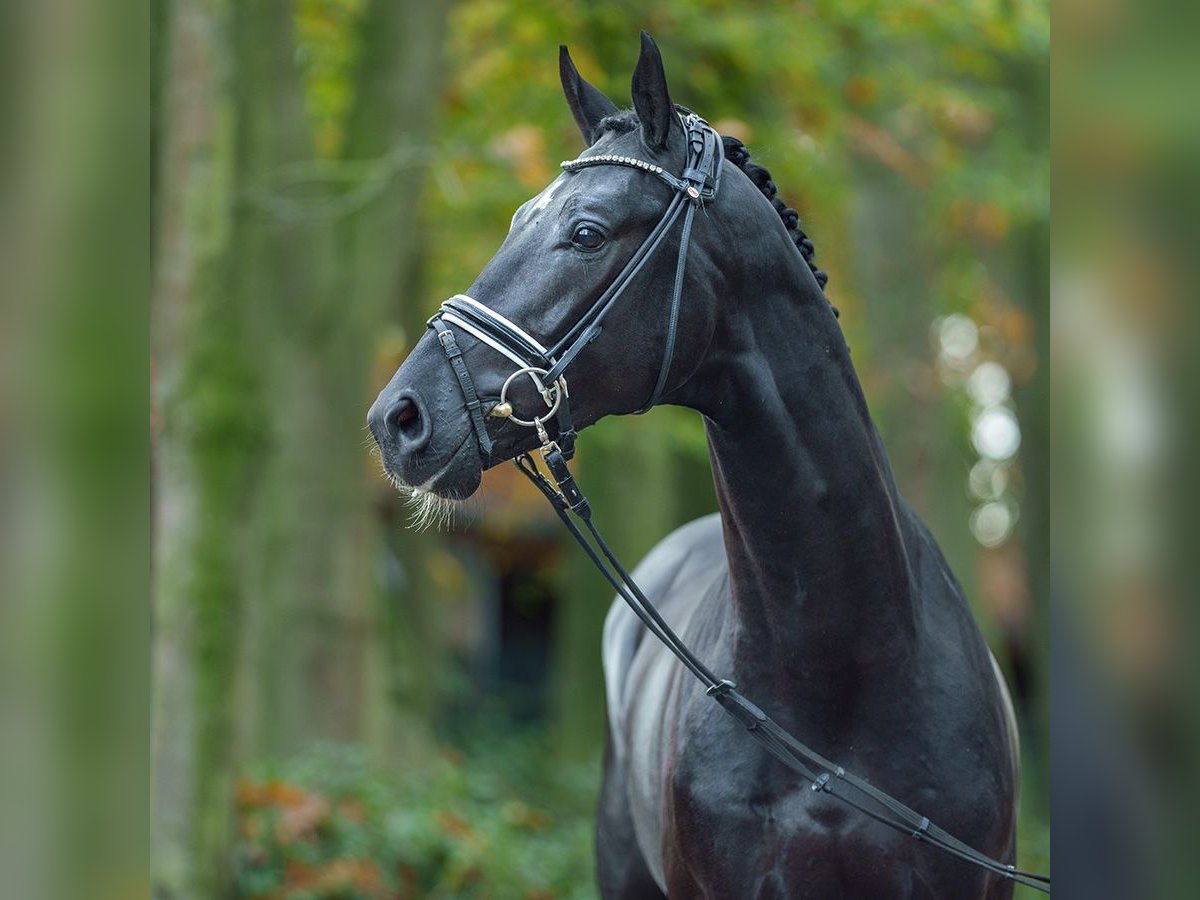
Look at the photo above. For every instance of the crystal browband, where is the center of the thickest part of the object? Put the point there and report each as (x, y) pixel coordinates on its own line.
(610, 159)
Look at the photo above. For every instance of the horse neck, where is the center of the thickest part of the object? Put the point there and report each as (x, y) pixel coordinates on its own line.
(819, 577)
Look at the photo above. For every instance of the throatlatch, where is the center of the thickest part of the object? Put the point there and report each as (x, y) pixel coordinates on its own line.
(545, 366)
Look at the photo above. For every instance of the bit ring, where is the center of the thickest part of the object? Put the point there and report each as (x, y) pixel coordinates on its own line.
(557, 390)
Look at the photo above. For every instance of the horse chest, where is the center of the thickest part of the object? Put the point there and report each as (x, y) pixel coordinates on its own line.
(748, 831)
(730, 813)
(738, 824)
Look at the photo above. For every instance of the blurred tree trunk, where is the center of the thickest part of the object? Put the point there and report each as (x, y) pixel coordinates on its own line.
(208, 406)
(268, 302)
(896, 270)
(324, 651)
(391, 125)
(307, 619)
(1027, 649)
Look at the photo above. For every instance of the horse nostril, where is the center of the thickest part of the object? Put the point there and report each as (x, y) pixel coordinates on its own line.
(402, 414)
(407, 424)
(400, 422)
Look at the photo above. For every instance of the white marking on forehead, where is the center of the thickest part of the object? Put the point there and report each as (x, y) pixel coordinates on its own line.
(542, 200)
(538, 202)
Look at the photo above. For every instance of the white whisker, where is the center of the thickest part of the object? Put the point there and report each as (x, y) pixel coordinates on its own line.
(427, 510)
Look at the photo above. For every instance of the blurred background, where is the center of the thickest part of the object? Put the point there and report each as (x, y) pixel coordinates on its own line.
(344, 707)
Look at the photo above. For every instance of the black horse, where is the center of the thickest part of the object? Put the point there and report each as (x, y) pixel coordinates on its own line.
(816, 587)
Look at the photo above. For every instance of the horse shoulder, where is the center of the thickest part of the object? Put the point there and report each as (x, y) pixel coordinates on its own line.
(962, 697)
(674, 575)
(681, 576)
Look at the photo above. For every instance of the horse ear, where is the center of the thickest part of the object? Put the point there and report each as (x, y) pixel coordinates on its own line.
(588, 105)
(650, 98)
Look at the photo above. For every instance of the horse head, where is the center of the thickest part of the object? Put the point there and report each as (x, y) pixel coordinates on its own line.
(530, 306)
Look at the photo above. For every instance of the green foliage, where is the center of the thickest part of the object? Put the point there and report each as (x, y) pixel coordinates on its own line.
(932, 92)
(328, 824)
(328, 47)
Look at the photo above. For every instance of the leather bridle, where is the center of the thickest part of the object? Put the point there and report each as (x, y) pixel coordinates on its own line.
(546, 365)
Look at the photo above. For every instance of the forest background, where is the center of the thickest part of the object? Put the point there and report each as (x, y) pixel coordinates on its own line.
(343, 707)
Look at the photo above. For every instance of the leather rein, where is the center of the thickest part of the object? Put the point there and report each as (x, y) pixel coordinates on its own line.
(545, 366)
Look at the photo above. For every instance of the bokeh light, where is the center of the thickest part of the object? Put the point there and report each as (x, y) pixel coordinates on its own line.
(996, 433)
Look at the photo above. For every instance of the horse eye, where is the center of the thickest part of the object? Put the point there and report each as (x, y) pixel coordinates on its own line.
(587, 238)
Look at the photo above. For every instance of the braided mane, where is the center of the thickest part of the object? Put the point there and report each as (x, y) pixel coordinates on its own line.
(736, 153)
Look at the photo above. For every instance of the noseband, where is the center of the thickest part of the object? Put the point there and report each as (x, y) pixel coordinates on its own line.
(546, 366)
